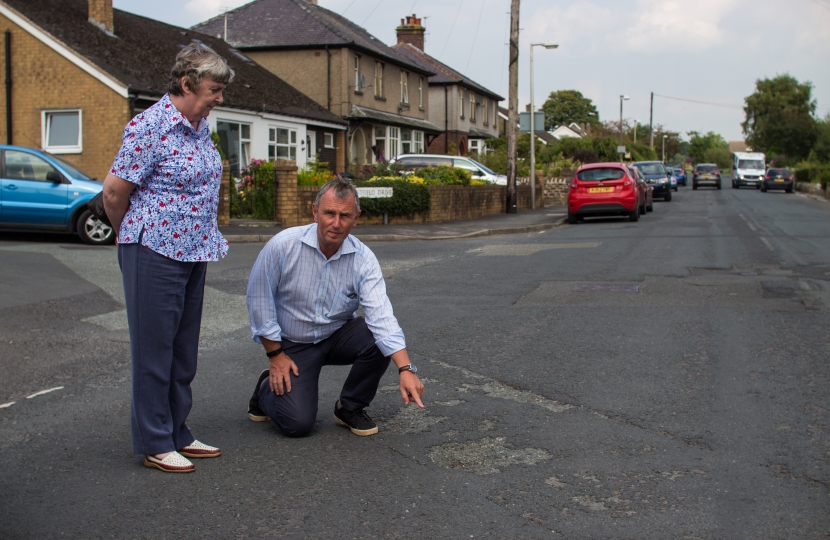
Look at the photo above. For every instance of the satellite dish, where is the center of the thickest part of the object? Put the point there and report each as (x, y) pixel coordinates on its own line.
(363, 81)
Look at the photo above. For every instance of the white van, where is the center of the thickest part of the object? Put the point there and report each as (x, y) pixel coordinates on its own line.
(748, 169)
(477, 170)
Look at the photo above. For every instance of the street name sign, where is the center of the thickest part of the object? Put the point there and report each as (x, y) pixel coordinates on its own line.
(374, 192)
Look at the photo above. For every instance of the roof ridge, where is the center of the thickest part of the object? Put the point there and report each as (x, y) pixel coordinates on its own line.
(320, 19)
(221, 15)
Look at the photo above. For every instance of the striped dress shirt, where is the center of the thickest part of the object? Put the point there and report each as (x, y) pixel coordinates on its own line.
(295, 293)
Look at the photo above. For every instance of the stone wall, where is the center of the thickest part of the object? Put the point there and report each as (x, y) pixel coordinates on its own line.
(812, 189)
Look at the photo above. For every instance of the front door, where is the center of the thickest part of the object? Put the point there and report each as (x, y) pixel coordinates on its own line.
(28, 197)
(311, 145)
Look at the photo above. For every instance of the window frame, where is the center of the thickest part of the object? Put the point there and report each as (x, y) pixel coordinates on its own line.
(472, 106)
(420, 92)
(405, 87)
(326, 138)
(357, 88)
(276, 145)
(379, 66)
(486, 111)
(462, 101)
(244, 150)
(44, 132)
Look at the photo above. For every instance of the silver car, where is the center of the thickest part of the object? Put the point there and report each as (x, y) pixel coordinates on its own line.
(477, 170)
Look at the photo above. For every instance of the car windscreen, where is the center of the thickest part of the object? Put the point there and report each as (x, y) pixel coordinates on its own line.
(652, 168)
(757, 164)
(424, 161)
(706, 168)
(485, 169)
(71, 169)
(678, 171)
(598, 175)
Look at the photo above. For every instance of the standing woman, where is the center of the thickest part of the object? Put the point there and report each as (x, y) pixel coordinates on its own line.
(162, 195)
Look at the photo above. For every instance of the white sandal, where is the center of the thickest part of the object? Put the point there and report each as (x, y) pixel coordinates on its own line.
(174, 462)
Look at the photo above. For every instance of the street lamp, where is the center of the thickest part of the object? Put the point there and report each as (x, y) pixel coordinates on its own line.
(622, 98)
(533, 125)
(636, 125)
(664, 148)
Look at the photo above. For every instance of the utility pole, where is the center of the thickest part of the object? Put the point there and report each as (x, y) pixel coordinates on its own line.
(651, 123)
(512, 111)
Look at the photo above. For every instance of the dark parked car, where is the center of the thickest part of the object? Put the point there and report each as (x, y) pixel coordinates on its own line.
(706, 174)
(604, 189)
(656, 175)
(778, 179)
(680, 173)
(40, 191)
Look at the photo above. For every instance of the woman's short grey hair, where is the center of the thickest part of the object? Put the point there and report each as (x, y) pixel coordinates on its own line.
(194, 63)
(342, 189)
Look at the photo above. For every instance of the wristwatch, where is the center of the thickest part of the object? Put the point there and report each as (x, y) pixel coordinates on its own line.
(408, 367)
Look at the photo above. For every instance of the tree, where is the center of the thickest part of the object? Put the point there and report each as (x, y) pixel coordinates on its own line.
(566, 106)
(699, 144)
(780, 117)
(821, 150)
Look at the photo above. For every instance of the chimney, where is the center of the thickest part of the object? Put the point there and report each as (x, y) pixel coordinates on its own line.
(100, 14)
(312, 2)
(410, 31)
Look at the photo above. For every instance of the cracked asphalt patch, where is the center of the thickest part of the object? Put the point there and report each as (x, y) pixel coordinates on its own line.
(485, 456)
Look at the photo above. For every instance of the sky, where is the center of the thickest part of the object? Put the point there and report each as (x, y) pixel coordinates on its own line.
(710, 51)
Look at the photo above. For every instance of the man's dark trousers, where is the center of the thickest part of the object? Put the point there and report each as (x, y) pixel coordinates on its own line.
(164, 311)
(294, 412)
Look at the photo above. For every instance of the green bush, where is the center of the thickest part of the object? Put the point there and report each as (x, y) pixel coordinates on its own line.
(407, 198)
(254, 197)
(803, 174)
(315, 173)
(815, 174)
(445, 176)
(642, 152)
(823, 176)
(721, 156)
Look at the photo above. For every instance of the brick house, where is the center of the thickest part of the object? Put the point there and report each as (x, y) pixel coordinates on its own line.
(79, 70)
(466, 111)
(382, 94)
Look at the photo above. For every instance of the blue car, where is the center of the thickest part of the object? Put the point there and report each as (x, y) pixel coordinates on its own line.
(42, 192)
(680, 173)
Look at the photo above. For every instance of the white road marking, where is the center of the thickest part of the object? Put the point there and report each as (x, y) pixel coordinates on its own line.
(751, 226)
(9, 404)
(36, 394)
(523, 250)
(767, 243)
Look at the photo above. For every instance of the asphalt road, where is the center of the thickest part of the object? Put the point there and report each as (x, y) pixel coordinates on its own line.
(660, 379)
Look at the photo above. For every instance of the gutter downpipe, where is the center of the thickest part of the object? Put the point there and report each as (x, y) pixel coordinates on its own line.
(446, 121)
(328, 77)
(8, 87)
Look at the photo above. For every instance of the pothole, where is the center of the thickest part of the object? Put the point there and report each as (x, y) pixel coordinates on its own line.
(485, 456)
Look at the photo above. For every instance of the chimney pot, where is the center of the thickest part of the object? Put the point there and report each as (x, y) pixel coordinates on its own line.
(410, 31)
(100, 14)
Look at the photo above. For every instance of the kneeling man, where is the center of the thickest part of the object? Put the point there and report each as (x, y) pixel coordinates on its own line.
(304, 290)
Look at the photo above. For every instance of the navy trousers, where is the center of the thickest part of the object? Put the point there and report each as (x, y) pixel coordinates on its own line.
(294, 412)
(164, 312)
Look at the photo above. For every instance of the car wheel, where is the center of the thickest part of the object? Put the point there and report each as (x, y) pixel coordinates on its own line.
(92, 230)
(650, 208)
(757, 186)
(789, 190)
(667, 198)
(572, 219)
(763, 188)
(694, 185)
(635, 215)
(734, 185)
(718, 185)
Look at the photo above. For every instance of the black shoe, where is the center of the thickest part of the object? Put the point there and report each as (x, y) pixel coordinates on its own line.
(254, 412)
(357, 421)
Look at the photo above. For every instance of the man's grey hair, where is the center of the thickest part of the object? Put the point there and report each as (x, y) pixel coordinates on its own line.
(194, 63)
(342, 189)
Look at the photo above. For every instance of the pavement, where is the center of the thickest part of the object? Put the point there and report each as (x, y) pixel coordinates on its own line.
(523, 222)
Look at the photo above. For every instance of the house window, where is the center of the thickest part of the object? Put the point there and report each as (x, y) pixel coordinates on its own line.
(282, 143)
(404, 87)
(418, 142)
(328, 140)
(472, 106)
(474, 145)
(461, 101)
(61, 131)
(421, 92)
(378, 79)
(379, 147)
(357, 87)
(486, 111)
(235, 140)
(394, 142)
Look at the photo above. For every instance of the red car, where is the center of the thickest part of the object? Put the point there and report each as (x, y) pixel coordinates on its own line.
(604, 189)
